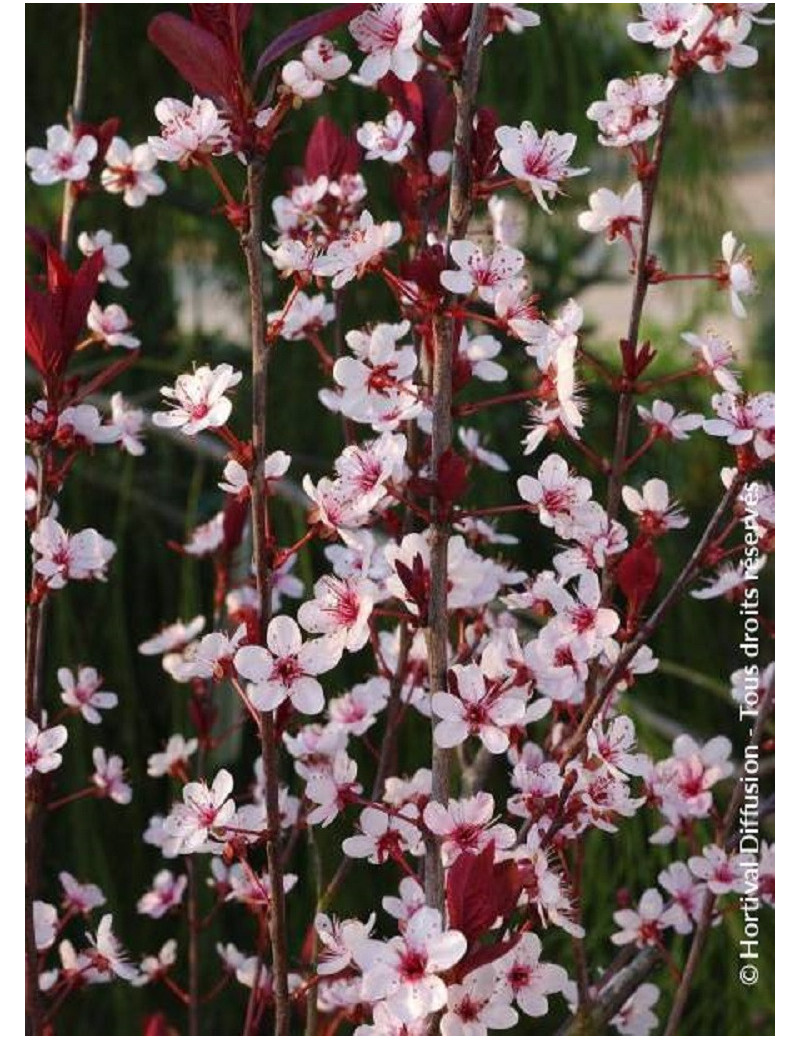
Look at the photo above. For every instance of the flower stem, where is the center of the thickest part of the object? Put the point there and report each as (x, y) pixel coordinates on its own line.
(251, 244)
(459, 210)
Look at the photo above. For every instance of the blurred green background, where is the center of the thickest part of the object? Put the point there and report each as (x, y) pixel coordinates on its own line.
(186, 300)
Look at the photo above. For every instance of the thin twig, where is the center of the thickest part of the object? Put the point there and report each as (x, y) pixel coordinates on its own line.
(75, 115)
(459, 210)
(36, 615)
(251, 244)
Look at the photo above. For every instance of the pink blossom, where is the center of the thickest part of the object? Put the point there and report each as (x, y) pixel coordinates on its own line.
(111, 325)
(306, 314)
(66, 157)
(199, 401)
(524, 978)
(287, 668)
(476, 1006)
(339, 941)
(383, 836)
(116, 255)
(129, 423)
(404, 971)
(82, 693)
(686, 893)
(721, 871)
(715, 355)
(106, 955)
(656, 513)
(665, 422)
(203, 813)
(555, 494)
(630, 112)
(129, 172)
(472, 708)
(737, 273)
(165, 894)
(613, 215)
(476, 270)
(174, 758)
(109, 777)
(539, 162)
(42, 747)
(388, 140)
(83, 424)
(466, 826)
(173, 637)
(361, 248)
(387, 34)
(636, 1017)
(645, 925)
(664, 25)
(189, 132)
(332, 791)
(79, 898)
(720, 41)
(63, 556)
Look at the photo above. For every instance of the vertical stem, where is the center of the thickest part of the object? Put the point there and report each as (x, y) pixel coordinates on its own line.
(626, 397)
(194, 959)
(36, 614)
(251, 244)
(75, 115)
(460, 207)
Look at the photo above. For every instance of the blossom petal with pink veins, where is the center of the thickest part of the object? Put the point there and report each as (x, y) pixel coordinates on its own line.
(530, 490)
(253, 663)
(320, 655)
(283, 637)
(450, 733)
(266, 696)
(307, 696)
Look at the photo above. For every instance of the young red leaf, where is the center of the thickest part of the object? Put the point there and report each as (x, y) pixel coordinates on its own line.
(329, 152)
(196, 53)
(637, 574)
(313, 25)
(451, 476)
(226, 21)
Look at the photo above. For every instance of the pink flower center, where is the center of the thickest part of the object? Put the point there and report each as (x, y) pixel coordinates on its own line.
(475, 715)
(412, 965)
(519, 977)
(468, 1009)
(381, 378)
(467, 836)
(287, 670)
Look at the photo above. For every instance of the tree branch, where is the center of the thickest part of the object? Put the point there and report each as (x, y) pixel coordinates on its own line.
(251, 244)
(459, 210)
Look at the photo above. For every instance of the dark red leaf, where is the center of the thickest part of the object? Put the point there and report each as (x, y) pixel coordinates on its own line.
(196, 53)
(329, 152)
(55, 319)
(313, 25)
(485, 954)
(637, 574)
(485, 150)
(447, 24)
(226, 21)
(452, 477)
(479, 891)
(416, 580)
(234, 518)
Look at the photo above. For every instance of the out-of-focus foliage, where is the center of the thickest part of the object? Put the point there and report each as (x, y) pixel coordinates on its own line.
(548, 75)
